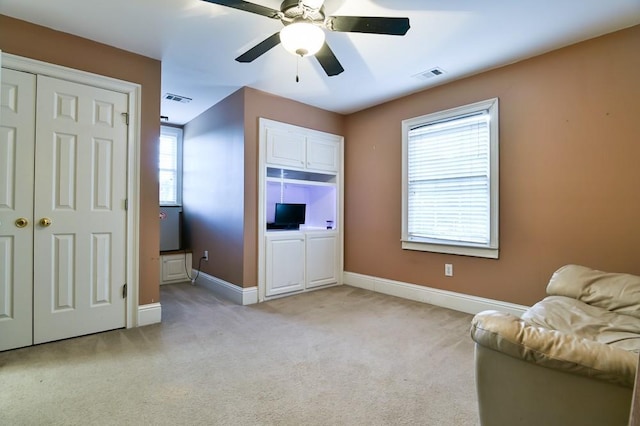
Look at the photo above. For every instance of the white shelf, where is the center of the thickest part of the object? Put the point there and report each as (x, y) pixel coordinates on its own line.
(303, 230)
(300, 182)
(299, 175)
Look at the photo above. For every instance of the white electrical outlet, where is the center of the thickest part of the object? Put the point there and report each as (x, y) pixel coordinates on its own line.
(206, 256)
(448, 269)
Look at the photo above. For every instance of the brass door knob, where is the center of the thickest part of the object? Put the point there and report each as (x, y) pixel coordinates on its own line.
(21, 222)
(45, 221)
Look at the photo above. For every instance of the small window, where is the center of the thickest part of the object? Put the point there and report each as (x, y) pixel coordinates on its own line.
(170, 166)
(450, 181)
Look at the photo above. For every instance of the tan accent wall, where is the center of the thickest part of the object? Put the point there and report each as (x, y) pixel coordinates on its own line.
(261, 104)
(220, 183)
(569, 173)
(569, 153)
(44, 44)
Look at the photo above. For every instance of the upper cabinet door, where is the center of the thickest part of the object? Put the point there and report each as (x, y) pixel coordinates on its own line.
(285, 148)
(302, 149)
(323, 154)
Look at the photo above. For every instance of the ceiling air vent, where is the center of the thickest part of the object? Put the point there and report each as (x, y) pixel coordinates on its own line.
(433, 72)
(177, 98)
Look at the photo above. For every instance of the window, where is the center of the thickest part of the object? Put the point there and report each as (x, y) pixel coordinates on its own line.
(450, 181)
(170, 166)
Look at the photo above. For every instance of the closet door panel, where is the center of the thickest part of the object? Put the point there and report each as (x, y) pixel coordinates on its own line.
(17, 144)
(80, 211)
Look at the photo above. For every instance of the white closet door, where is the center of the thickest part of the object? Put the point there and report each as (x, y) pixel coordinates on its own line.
(80, 191)
(17, 128)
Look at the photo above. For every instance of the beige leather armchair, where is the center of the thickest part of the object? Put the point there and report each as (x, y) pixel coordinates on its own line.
(571, 358)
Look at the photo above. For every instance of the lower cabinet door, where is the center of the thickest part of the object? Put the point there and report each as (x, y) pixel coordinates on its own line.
(175, 268)
(321, 261)
(284, 264)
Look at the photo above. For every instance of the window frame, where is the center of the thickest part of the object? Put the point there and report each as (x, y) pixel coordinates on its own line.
(175, 132)
(490, 250)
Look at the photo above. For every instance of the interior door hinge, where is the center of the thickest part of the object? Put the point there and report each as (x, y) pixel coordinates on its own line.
(126, 117)
(124, 291)
(126, 204)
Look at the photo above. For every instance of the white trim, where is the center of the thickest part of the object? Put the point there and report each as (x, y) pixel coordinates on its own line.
(149, 314)
(491, 249)
(35, 66)
(460, 250)
(443, 298)
(176, 133)
(134, 93)
(262, 273)
(238, 295)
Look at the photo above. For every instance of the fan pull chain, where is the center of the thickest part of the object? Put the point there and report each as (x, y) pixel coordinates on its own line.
(297, 69)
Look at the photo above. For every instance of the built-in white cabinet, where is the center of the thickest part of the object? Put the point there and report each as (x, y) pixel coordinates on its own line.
(299, 166)
(297, 261)
(301, 149)
(175, 267)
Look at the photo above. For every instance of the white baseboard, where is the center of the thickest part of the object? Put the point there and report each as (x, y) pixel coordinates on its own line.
(446, 299)
(239, 295)
(149, 314)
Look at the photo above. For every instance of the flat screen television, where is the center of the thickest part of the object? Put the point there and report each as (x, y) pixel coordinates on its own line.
(289, 215)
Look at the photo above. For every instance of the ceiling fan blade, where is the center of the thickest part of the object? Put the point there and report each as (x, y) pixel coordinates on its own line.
(248, 7)
(369, 24)
(260, 48)
(328, 61)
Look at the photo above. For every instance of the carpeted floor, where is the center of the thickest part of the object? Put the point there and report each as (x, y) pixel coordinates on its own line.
(338, 356)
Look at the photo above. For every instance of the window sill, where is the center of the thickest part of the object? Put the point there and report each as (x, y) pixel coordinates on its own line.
(489, 253)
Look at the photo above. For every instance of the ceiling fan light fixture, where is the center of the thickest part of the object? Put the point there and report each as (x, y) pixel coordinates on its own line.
(313, 4)
(302, 38)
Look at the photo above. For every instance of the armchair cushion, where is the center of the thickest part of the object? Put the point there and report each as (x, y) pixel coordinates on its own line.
(554, 349)
(614, 292)
(573, 317)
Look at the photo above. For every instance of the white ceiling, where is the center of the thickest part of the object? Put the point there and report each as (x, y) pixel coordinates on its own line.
(198, 41)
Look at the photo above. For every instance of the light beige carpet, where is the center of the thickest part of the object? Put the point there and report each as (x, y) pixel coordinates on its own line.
(338, 356)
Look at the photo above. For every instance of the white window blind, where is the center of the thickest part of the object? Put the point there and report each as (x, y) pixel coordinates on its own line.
(449, 180)
(450, 195)
(169, 166)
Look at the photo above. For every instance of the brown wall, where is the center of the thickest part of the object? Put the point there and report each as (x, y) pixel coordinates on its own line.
(36, 42)
(569, 174)
(213, 188)
(260, 104)
(220, 182)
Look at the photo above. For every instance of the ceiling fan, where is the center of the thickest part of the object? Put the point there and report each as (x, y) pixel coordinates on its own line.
(303, 34)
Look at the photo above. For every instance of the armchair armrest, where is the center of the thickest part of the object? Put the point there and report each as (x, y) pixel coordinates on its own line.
(512, 336)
